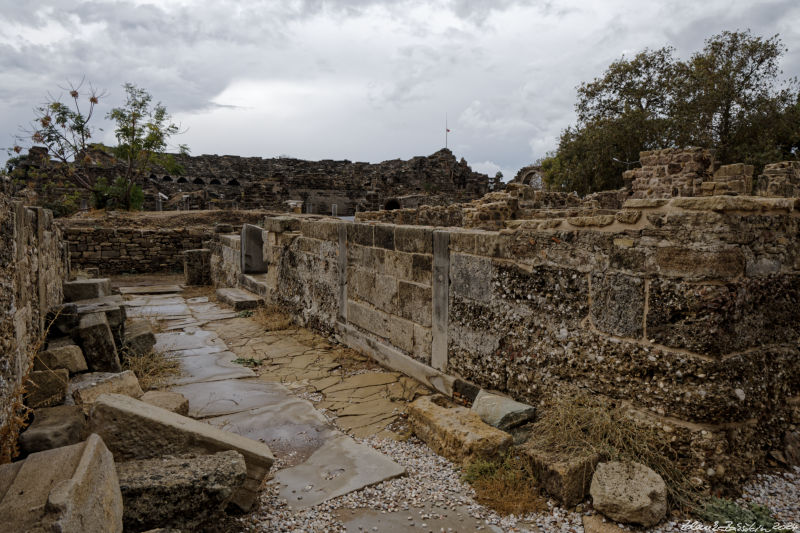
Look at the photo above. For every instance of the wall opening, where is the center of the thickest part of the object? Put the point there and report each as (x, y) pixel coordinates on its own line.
(392, 204)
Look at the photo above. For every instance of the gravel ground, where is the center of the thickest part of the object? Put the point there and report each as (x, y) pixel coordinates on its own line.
(435, 481)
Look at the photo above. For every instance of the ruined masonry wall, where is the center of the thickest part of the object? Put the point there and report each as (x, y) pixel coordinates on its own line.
(684, 309)
(32, 265)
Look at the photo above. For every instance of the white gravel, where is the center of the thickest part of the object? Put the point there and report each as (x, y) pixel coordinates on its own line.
(435, 481)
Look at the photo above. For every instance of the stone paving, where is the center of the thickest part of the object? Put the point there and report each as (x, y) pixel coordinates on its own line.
(271, 400)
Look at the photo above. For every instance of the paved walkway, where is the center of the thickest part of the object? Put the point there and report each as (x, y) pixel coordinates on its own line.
(270, 402)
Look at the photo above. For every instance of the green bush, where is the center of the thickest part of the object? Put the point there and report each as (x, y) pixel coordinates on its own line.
(754, 517)
(115, 196)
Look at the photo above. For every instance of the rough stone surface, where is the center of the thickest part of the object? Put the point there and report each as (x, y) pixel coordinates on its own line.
(86, 388)
(455, 432)
(197, 267)
(69, 357)
(81, 494)
(629, 492)
(239, 299)
(53, 427)
(186, 492)
(171, 401)
(136, 430)
(99, 349)
(566, 480)
(46, 388)
(139, 337)
(501, 411)
(86, 289)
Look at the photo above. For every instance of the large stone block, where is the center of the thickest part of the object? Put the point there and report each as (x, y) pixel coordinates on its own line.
(414, 239)
(471, 276)
(398, 331)
(501, 411)
(455, 432)
(136, 430)
(171, 401)
(687, 262)
(239, 299)
(73, 488)
(95, 337)
(139, 337)
(68, 356)
(86, 289)
(415, 302)
(186, 492)
(629, 492)
(567, 480)
(53, 427)
(46, 388)
(84, 389)
(253, 250)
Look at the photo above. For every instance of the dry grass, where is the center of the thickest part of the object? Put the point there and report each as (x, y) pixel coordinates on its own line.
(506, 485)
(273, 318)
(580, 425)
(152, 369)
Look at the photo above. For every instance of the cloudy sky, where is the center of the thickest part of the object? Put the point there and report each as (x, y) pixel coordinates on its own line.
(365, 80)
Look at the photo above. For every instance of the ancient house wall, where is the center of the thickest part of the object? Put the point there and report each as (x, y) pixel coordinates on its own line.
(127, 244)
(683, 309)
(32, 265)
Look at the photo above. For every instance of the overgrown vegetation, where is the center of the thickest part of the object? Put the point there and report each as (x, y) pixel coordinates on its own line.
(153, 369)
(728, 96)
(506, 484)
(580, 425)
(754, 517)
(273, 318)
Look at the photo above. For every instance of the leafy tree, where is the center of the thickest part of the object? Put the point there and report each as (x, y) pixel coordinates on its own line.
(142, 131)
(726, 97)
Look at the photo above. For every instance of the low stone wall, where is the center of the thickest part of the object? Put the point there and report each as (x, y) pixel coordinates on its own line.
(32, 265)
(682, 309)
(153, 242)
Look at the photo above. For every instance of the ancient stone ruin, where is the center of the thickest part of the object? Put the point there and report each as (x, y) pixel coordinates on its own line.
(674, 299)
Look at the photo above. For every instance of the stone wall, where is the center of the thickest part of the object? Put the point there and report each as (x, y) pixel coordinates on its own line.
(128, 243)
(780, 179)
(682, 309)
(32, 265)
(211, 181)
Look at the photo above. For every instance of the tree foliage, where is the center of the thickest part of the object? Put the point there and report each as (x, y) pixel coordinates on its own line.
(728, 96)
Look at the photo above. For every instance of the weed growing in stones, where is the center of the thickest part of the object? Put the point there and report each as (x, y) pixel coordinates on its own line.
(754, 517)
(248, 361)
(152, 369)
(273, 318)
(506, 484)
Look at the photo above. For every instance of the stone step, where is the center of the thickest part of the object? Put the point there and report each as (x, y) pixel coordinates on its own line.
(239, 299)
(256, 283)
(73, 488)
(85, 289)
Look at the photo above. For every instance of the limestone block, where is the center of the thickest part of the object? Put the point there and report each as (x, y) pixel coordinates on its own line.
(629, 492)
(252, 244)
(239, 299)
(171, 401)
(618, 304)
(501, 411)
(398, 331)
(86, 388)
(362, 234)
(53, 427)
(133, 429)
(197, 267)
(455, 432)
(628, 216)
(139, 337)
(280, 224)
(46, 388)
(679, 261)
(63, 319)
(596, 524)
(414, 239)
(471, 276)
(384, 236)
(81, 494)
(99, 349)
(597, 221)
(566, 480)
(86, 289)
(185, 492)
(69, 356)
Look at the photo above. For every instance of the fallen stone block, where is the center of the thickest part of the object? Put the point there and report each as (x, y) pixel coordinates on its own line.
(629, 492)
(99, 349)
(171, 401)
(501, 411)
(239, 299)
(68, 356)
(185, 492)
(139, 337)
(455, 432)
(114, 309)
(133, 429)
(73, 488)
(86, 289)
(86, 388)
(53, 427)
(46, 388)
(566, 480)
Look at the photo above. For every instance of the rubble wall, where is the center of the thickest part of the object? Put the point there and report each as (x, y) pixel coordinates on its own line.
(683, 309)
(32, 265)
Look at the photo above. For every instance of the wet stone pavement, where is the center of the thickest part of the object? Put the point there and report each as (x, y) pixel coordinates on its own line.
(312, 402)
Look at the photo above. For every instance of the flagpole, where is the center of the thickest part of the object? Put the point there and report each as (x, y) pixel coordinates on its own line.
(446, 131)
